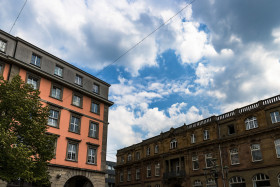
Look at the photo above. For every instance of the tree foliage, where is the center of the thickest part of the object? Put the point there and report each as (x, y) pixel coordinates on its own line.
(25, 147)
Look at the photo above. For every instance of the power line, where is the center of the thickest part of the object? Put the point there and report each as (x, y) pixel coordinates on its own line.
(18, 16)
(135, 45)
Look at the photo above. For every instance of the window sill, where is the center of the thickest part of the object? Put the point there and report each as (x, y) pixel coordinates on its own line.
(237, 164)
(257, 161)
(35, 65)
(95, 113)
(71, 160)
(81, 107)
(56, 98)
(74, 132)
(81, 85)
(58, 76)
(94, 138)
(93, 164)
(53, 126)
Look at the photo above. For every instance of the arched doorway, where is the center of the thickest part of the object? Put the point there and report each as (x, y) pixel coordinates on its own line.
(78, 181)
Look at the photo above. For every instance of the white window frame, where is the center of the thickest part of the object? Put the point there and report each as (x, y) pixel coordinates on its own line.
(53, 119)
(56, 92)
(236, 180)
(211, 183)
(74, 124)
(95, 88)
(277, 147)
(275, 117)
(137, 174)
(129, 157)
(206, 135)
(129, 175)
(195, 160)
(72, 151)
(233, 152)
(58, 71)
(91, 156)
(256, 148)
(79, 80)
(156, 148)
(148, 151)
(259, 177)
(149, 171)
(251, 123)
(77, 100)
(93, 130)
(157, 169)
(197, 183)
(33, 82)
(36, 60)
(3, 45)
(173, 144)
(193, 139)
(209, 157)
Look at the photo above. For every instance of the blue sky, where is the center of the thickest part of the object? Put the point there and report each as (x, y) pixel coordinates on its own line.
(213, 57)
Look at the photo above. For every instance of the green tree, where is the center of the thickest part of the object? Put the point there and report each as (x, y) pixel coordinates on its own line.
(25, 147)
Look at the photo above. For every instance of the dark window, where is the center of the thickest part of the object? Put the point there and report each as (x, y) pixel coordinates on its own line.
(72, 151)
(33, 81)
(53, 118)
(95, 107)
(79, 80)
(96, 88)
(91, 156)
(77, 100)
(56, 92)
(231, 129)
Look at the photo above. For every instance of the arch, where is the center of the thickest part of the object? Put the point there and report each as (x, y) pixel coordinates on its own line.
(261, 180)
(237, 181)
(78, 181)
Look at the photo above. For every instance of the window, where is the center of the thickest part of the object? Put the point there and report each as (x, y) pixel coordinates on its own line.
(195, 162)
(208, 160)
(56, 92)
(36, 60)
(72, 151)
(197, 183)
(77, 100)
(122, 159)
(1, 69)
(256, 152)
(251, 123)
(231, 129)
(137, 155)
(156, 148)
(58, 71)
(173, 144)
(91, 156)
(237, 181)
(148, 151)
(177, 166)
(211, 183)
(149, 172)
(74, 124)
(121, 176)
(3, 45)
(95, 107)
(193, 138)
(33, 81)
(79, 80)
(206, 135)
(53, 118)
(234, 156)
(277, 147)
(93, 130)
(157, 169)
(275, 118)
(95, 88)
(137, 174)
(261, 180)
(157, 185)
(128, 175)
(129, 157)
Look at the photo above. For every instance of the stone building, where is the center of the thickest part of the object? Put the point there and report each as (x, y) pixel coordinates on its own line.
(110, 174)
(237, 149)
(79, 110)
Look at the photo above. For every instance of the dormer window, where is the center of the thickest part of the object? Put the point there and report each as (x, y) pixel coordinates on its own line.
(36, 60)
(156, 148)
(251, 123)
(206, 135)
(3, 45)
(173, 144)
(79, 80)
(193, 138)
(148, 151)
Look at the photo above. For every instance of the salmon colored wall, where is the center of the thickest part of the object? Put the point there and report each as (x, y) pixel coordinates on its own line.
(45, 88)
(6, 71)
